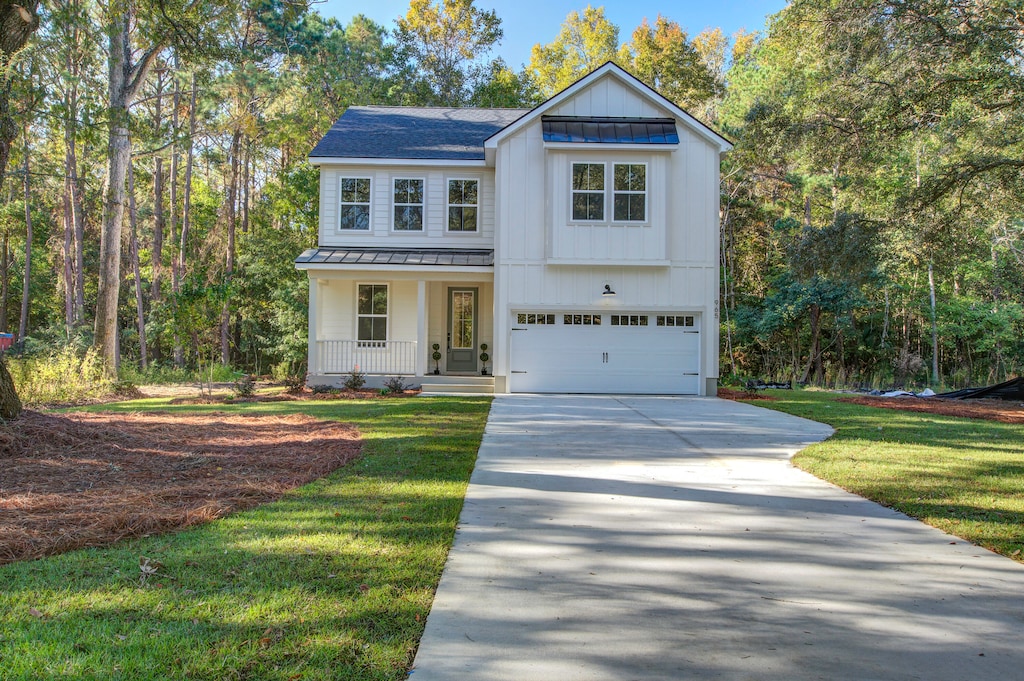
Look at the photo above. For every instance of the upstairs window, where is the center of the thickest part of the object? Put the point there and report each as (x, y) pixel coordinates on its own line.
(408, 203)
(629, 192)
(463, 201)
(588, 191)
(355, 203)
(372, 315)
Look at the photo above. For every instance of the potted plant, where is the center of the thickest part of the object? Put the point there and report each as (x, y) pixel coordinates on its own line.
(483, 358)
(436, 357)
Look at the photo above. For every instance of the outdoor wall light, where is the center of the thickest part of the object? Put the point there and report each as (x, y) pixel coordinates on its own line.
(608, 290)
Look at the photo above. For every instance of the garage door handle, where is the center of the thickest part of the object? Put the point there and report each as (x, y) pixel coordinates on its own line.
(604, 357)
(519, 372)
(516, 329)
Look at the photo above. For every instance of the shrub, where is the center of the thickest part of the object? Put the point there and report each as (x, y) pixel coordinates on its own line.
(61, 377)
(355, 380)
(322, 389)
(245, 386)
(395, 384)
(294, 383)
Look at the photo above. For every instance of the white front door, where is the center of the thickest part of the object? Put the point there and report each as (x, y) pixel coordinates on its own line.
(462, 345)
(590, 352)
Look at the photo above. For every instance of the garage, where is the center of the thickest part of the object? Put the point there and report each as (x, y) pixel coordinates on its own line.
(576, 351)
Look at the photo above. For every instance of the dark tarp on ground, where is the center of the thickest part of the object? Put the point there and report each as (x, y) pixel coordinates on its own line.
(1008, 390)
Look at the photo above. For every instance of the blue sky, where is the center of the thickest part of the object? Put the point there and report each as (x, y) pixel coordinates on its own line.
(527, 22)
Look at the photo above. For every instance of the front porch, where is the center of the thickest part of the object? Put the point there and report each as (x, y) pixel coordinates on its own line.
(392, 324)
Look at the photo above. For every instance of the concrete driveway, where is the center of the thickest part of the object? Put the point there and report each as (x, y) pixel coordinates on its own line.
(669, 538)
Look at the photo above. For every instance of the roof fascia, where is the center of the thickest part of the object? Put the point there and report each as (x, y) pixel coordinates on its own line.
(608, 69)
(410, 162)
(341, 267)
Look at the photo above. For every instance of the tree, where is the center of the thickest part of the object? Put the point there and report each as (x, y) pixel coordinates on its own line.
(664, 58)
(18, 21)
(584, 43)
(445, 40)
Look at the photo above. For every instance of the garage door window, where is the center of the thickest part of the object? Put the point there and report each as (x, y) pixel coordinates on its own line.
(535, 318)
(581, 319)
(676, 320)
(629, 320)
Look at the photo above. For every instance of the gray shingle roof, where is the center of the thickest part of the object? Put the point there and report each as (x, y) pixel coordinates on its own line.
(610, 130)
(413, 132)
(397, 256)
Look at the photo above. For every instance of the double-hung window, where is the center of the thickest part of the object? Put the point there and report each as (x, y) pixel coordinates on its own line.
(372, 315)
(463, 201)
(355, 203)
(588, 191)
(629, 192)
(408, 203)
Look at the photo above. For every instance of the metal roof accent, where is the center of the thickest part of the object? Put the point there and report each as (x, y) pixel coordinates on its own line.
(401, 132)
(604, 130)
(397, 256)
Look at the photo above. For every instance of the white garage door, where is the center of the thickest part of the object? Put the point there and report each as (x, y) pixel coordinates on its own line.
(589, 352)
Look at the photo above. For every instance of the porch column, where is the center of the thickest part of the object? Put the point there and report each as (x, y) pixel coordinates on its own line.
(312, 365)
(421, 328)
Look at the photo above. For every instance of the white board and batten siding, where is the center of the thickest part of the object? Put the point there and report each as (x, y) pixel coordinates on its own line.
(435, 232)
(667, 265)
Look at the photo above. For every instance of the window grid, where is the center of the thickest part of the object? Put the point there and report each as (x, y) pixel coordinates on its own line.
(675, 320)
(407, 195)
(355, 203)
(372, 315)
(463, 205)
(581, 320)
(629, 320)
(535, 318)
(629, 192)
(588, 191)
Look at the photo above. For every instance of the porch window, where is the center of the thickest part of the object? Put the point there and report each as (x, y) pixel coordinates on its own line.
(355, 203)
(629, 192)
(588, 191)
(408, 202)
(463, 202)
(372, 315)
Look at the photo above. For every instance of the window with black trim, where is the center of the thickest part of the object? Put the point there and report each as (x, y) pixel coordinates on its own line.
(408, 205)
(535, 318)
(629, 320)
(675, 320)
(581, 320)
(355, 203)
(629, 192)
(463, 201)
(588, 191)
(372, 315)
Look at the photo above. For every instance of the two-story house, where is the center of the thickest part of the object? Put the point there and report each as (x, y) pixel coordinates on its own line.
(578, 241)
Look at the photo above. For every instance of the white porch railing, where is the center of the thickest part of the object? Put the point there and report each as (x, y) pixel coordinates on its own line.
(391, 358)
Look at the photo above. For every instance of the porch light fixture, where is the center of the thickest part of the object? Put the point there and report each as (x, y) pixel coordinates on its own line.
(608, 290)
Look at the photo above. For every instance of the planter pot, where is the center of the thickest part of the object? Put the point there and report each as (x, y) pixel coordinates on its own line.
(483, 372)
(437, 372)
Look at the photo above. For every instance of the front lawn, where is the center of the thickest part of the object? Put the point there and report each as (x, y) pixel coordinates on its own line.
(963, 476)
(334, 581)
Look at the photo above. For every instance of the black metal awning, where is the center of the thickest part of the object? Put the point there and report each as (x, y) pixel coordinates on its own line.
(609, 130)
(397, 256)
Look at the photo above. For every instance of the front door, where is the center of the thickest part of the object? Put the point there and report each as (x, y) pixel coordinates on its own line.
(462, 351)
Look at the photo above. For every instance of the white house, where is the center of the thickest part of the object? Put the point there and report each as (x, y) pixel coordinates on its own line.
(578, 241)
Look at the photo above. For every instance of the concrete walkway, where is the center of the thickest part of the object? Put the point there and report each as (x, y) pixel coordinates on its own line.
(637, 538)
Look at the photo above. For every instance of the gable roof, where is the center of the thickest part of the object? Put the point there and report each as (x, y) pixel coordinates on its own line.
(609, 69)
(401, 132)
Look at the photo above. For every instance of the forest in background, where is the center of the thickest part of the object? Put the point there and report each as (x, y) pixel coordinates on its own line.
(158, 190)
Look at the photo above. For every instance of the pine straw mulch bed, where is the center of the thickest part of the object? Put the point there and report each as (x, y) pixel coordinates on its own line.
(292, 396)
(731, 394)
(1005, 411)
(75, 480)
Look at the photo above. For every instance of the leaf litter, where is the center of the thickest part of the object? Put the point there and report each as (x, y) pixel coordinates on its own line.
(76, 480)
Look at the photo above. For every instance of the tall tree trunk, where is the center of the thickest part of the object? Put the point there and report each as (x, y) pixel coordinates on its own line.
(124, 81)
(186, 204)
(27, 282)
(179, 353)
(814, 360)
(5, 281)
(156, 287)
(935, 327)
(140, 308)
(68, 257)
(229, 256)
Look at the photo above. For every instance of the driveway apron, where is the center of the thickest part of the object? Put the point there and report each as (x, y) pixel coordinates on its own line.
(670, 538)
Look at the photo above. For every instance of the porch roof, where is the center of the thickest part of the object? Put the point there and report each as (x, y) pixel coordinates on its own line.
(443, 257)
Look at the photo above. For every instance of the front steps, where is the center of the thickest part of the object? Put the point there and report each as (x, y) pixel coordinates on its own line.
(457, 385)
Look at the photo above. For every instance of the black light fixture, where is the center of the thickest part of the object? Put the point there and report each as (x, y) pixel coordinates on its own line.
(608, 290)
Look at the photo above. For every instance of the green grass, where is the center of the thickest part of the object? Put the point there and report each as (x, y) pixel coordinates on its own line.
(963, 476)
(334, 581)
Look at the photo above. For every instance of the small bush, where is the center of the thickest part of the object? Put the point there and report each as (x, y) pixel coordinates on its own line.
(355, 380)
(395, 384)
(294, 383)
(322, 389)
(245, 386)
(62, 377)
